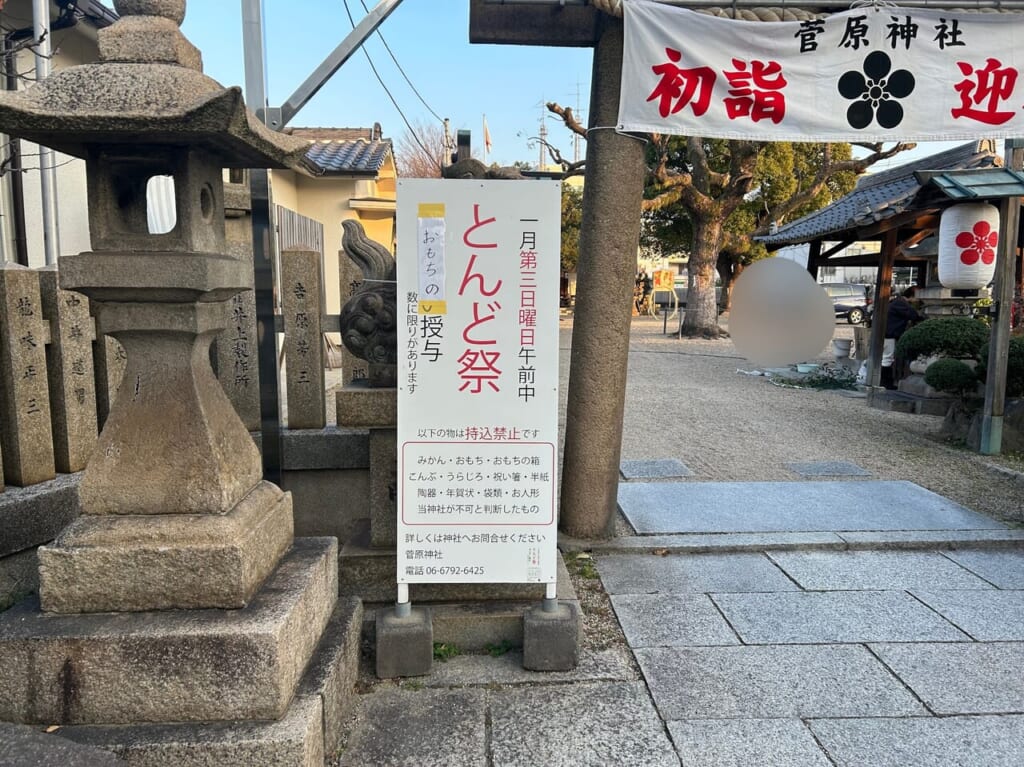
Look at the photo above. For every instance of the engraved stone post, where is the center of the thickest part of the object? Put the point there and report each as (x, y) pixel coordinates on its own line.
(70, 369)
(24, 395)
(301, 284)
(236, 346)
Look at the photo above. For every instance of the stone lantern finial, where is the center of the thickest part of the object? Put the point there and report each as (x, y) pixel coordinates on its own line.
(148, 32)
(169, 9)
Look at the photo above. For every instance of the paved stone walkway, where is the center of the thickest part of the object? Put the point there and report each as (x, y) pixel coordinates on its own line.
(833, 613)
(893, 653)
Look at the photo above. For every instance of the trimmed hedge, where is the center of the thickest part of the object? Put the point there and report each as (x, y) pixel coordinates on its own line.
(1014, 367)
(947, 336)
(951, 375)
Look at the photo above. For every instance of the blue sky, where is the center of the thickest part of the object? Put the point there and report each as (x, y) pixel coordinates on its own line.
(430, 39)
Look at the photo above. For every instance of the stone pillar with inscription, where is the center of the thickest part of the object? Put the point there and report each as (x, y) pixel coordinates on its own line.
(302, 288)
(236, 346)
(177, 603)
(70, 369)
(27, 444)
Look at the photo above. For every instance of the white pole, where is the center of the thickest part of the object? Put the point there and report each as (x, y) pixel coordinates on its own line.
(402, 607)
(550, 603)
(47, 158)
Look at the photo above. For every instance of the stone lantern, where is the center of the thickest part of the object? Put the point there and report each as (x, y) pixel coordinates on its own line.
(174, 463)
(175, 518)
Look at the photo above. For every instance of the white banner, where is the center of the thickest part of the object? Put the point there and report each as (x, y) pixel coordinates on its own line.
(478, 286)
(870, 74)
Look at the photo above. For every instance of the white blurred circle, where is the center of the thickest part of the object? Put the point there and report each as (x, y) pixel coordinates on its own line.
(779, 315)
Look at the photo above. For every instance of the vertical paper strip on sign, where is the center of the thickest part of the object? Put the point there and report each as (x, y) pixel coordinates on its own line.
(430, 232)
(478, 381)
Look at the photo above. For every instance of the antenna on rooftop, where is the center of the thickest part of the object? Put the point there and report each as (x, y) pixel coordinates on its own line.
(543, 133)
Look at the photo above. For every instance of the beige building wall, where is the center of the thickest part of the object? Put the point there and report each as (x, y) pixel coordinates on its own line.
(333, 199)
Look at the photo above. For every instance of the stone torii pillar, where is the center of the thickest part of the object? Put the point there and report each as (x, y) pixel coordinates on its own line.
(609, 237)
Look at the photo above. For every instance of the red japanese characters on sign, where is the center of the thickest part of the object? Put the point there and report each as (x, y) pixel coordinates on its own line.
(479, 363)
(478, 385)
(868, 74)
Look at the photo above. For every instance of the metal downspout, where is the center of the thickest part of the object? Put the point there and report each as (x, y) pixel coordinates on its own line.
(47, 157)
(14, 167)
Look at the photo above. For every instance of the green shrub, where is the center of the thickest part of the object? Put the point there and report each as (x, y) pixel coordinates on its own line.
(1014, 367)
(445, 651)
(948, 336)
(950, 375)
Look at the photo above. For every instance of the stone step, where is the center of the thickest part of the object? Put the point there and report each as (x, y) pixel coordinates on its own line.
(25, 746)
(36, 514)
(174, 665)
(311, 730)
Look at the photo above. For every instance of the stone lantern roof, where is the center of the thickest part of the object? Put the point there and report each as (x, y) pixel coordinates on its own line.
(148, 88)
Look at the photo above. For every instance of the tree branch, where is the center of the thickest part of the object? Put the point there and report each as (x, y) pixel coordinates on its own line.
(568, 118)
(568, 168)
(826, 171)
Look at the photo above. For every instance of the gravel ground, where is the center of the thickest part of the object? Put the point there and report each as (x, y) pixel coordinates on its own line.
(686, 400)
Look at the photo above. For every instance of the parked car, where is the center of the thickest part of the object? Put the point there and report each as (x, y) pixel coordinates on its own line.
(851, 301)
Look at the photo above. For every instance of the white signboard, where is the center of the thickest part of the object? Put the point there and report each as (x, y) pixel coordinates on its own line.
(478, 288)
(869, 74)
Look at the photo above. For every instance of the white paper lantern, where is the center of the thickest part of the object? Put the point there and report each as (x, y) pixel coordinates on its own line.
(968, 243)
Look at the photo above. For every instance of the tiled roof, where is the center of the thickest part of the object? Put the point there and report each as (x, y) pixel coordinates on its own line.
(359, 157)
(336, 134)
(879, 196)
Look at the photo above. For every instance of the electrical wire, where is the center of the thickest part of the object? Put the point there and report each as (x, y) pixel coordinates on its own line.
(388, 48)
(412, 131)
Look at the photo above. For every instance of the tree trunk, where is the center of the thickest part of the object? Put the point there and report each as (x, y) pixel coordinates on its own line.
(701, 317)
(728, 271)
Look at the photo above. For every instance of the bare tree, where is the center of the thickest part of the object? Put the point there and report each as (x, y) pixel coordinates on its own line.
(706, 181)
(420, 152)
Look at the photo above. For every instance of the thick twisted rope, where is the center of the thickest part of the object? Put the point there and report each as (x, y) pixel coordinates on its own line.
(614, 8)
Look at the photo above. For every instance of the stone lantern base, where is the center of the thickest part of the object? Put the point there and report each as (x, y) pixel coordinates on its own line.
(170, 561)
(267, 684)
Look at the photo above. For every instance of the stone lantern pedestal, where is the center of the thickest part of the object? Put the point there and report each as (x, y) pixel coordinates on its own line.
(178, 622)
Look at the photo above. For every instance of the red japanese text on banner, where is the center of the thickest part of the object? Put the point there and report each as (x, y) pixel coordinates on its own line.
(869, 74)
(478, 380)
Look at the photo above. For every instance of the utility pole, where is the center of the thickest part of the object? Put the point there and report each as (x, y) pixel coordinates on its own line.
(543, 133)
(449, 144)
